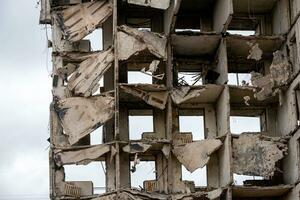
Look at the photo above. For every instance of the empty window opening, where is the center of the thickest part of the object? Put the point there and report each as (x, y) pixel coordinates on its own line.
(242, 32)
(139, 77)
(189, 78)
(239, 179)
(139, 125)
(242, 79)
(143, 171)
(178, 30)
(142, 24)
(96, 39)
(94, 172)
(96, 137)
(194, 124)
(241, 124)
(199, 176)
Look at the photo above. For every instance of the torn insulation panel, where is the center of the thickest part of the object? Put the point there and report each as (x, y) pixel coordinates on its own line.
(80, 116)
(85, 80)
(257, 155)
(185, 93)
(133, 41)
(159, 4)
(78, 21)
(80, 156)
(196, 154)
(157, 99)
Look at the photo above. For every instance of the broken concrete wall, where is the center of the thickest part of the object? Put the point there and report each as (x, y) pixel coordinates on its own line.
(80, 116)
(76, 112)
(280, 74)
(79, 20)
(154, 98)
(196, 154)
(85, 80)
(80, 156)
(185, 93)
(257, 155)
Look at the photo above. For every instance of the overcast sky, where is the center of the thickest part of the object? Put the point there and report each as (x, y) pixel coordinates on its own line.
(25, 96)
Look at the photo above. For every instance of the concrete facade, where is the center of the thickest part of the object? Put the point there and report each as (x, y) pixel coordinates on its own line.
(166, 41)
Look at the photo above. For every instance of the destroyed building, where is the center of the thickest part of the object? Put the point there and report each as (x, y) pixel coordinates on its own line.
(169, 41)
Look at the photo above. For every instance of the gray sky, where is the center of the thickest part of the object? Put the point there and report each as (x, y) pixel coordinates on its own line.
(25, 96)
(25, 90)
